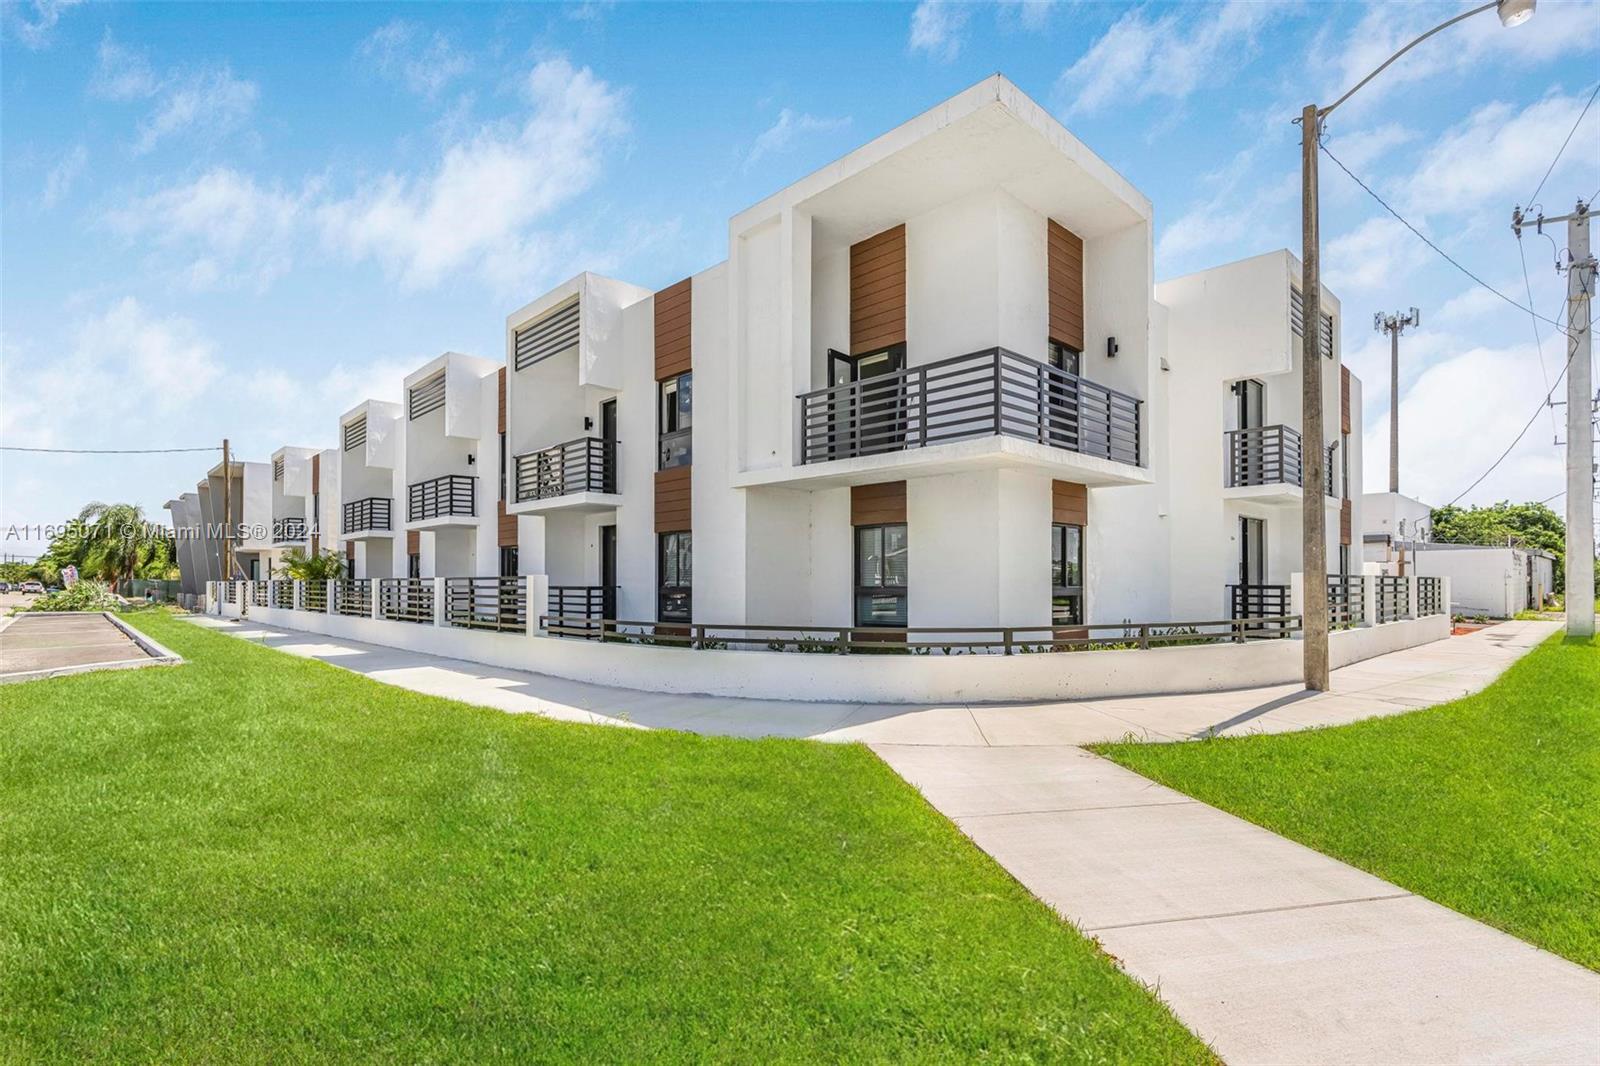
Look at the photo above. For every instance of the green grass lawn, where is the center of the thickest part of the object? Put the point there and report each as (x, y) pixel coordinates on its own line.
(255, 857)
(1489, 805)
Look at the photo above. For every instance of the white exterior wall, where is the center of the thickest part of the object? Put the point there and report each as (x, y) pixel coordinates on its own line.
(1396, 515)
(460, 437)
(1487, 581)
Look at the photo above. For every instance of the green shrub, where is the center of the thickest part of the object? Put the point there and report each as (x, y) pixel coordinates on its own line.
(81, 596)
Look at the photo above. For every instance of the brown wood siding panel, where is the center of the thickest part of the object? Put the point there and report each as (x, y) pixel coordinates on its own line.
(1344, 399)
(316, 473)
(674, 499)
(674, 315)
(506, 526)
(350, 550)
(1344, 521)
(878, 291)
(413, 541)
(1064, 255)
(502, 390)
(872, 505)
(1069, 503)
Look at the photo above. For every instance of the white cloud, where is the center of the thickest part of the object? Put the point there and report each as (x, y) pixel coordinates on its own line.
(35, 33)
(121, 73)
(209, 99)
(58, 183)
(1030, 15)
(1171, 56)
(780, 135)
(936, 28)
(487, 193)
(231, 230)
(1240, 204)
(1375, 258)
(406, 53)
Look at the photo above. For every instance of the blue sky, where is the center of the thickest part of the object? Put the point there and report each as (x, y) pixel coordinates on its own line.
(242, 219)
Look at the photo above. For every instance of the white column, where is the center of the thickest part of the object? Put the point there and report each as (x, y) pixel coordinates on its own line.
(537, 590)
(330, 589)
(1369, 599)
(438, 601)
(1444, 597)
(1297, 594)
(373, 588)
(297, 595)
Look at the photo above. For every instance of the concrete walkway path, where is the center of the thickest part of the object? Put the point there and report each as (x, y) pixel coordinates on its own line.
(1270, 951)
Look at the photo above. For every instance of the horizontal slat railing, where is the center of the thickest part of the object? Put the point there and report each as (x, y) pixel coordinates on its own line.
(1257, 606)
(496, 603)
(1394, 598)
(406, 599)
(587, 464)
(440, 497)
(1264, 455)
(282, 594)
(1345, 601)
(582, 607)
(993, 392)
(353, 597)
(288, 530)
(373, 514)
(1430, 596)
(314, 595)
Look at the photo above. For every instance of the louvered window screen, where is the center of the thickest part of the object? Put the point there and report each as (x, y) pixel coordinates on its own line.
(1297, 322)
(551, 335)
(277, 469)
(428, 396)
(355, 434)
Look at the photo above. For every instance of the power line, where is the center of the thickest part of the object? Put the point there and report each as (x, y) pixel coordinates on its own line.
(1538, 339)
(1420, 236)
(1547, 499)
(1564, 144)
(107, 451)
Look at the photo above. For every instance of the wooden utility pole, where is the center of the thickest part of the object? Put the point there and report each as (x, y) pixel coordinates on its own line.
(227, 513)
(1313, 509)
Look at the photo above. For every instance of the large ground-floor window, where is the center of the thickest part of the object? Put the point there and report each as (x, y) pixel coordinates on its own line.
(508, 561)
(676, 567)
(1066, 574)
(881, 575)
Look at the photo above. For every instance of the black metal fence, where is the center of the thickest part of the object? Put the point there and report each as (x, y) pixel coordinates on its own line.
(582, 607)
(353, 598)
(993, 392)
(451, 494)
(282, 594)
(1259, 606)
(314, 595)
(588, 464)
(258, 594)
(372, 514)
(1346, 601)
(230, 591)
(497, 603)
(1430, 596)
(406, 599)
(1264, 455)
(1394, 598)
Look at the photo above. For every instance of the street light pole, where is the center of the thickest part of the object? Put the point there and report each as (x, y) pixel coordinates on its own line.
(1314, 519)
(1394, 325)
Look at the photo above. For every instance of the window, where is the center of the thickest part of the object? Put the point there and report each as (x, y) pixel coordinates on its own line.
(426, 397)
(1344, 560)
(881, 575)
(316, 512)
(502, 477)
(1066, 575)
(508, 561)
(677, 574)
(414, 565)
(676, 418)
(355, 433)
(1344, 469)
(1065, 358)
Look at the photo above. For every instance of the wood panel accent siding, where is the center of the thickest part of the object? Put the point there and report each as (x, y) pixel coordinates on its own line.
(506, 526)
(413, 541)
(1344, 399)
(1344, 521)
(502, 389)
(674, 313)
(316, 473)
(674, 499)
(350, 551)
(1064, 256)
(878, 291)
(874, 505)
(1069, 503)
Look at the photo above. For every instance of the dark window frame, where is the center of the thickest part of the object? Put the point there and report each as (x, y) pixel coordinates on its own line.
(882, 587)
(1060, 355)
(508, 560)
(680, 543)
(414, 564)
(675, 422)
(1070, 613)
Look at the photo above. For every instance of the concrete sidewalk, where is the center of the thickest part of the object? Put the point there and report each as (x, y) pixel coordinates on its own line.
(1268, 950)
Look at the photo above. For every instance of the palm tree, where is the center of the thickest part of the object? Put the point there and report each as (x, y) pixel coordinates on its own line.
(116, 540)
(326, 566)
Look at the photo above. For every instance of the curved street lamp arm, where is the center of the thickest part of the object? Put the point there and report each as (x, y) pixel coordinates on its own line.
(1323, 112)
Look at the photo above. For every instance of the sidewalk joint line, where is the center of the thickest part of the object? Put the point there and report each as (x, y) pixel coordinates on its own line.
(1073, 810)
(1247, 913)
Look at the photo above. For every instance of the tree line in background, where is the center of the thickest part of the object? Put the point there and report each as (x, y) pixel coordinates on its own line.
(1526, 525)
(109, 542)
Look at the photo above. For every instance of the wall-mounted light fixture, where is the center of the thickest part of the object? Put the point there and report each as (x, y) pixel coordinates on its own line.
(471, 458)
(1111, 347)
(588, 423)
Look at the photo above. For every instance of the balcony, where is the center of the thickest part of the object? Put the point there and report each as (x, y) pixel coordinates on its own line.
(368, 516)
(452, 496)
(1267, 463)
(289, 531)
(573, 475)
(994, 393)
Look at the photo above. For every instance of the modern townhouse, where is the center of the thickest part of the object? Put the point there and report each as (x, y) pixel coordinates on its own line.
(1234, 422)
(931, 402)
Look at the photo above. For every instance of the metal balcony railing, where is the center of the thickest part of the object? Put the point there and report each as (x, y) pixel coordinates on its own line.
(1264, 455)
(993, 392)
(588, 464)
(288, 530)
(440, 497)
(370, 515)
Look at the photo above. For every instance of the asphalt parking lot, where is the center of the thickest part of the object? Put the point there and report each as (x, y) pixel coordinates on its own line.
(34, 643)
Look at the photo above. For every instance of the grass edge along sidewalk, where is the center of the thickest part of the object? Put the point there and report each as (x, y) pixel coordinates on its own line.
(1487, 804)
(259, 857)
